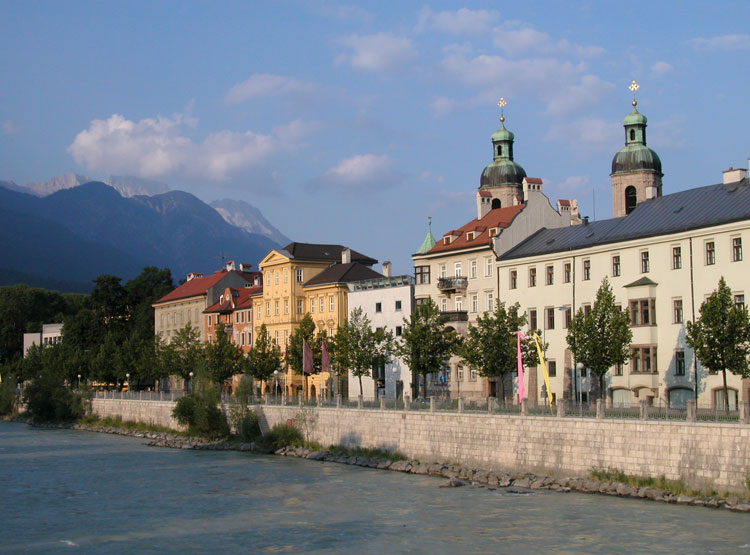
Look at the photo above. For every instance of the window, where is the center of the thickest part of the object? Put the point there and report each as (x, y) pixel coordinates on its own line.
(209, 320)
(710, 253)
(630, 199)
(422, 274)
(444, 305)
(286, 337)
(550, 317)
(457, 269)
(299, 275)
(258, 312)
(550, 275)
(276, 337)
(276, 307)
(378, 307)
(473, 375)
(566, 272)
(399, 329)
(552, 368)
(490, 302)
(533, 324)
(443, 271)
(567, 315)
(475, 303)
(616, 265)
(398, 306)
(268, 278)
(736, 249)
(312, 306)
(676, 258)
(679, 363)
(586, 309)
(532, 277)
(586, 270)
(300, 308)
(268, 309)
(643, 359)
(618, 369)
(642, 312)
(513, 279)
(242, 338)
(322, 304)
(488, 267)
(459, 303)
(645, 265)
(286, 275)
(739, 300)
(460, 373)
(473, 269)
(677, 311)
(276, 277)
(286, 306)
(331, 304)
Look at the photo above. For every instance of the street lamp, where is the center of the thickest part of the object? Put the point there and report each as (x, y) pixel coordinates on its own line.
(127, 377)
(276, 385)
(579, 369)
(79, 381)
(395, 389)
(190, 383)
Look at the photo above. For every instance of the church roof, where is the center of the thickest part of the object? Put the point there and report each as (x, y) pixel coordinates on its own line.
(682, 211)
(343, 273)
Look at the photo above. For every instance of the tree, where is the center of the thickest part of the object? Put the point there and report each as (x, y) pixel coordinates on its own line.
(425, 343)
(491, 347)
(183, 355)
(223, 358)
(720, 336)
(601, 339)
(265, 356)
(305, 332)
(360, 348)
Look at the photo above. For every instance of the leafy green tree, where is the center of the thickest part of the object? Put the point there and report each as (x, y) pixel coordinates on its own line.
(109, 300)
(223, 358)
(183, 355)
(199, 410)
(264, 357)
(359, 347)
(141, 292)
(721, 335)
(425, 343)
(601, 339)
(48, 397)
(491, 346)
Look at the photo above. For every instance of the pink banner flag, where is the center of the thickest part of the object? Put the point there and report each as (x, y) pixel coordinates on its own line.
(325, 358)
(521, 388)
(307, 358)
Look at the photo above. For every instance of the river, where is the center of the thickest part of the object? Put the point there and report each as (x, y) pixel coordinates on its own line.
(65, 490)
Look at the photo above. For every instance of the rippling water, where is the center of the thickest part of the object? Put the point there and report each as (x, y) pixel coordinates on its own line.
(63, 490)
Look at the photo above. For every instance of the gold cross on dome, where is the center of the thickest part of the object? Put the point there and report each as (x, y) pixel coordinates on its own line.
(502, 104)
(634, 87)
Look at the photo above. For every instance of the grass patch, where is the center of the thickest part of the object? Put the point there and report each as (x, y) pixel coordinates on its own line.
(676, 487)
(367, 452)
(118, 422)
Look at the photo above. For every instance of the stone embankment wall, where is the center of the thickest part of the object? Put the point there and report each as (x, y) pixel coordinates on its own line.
(157, 413)
(703, 455)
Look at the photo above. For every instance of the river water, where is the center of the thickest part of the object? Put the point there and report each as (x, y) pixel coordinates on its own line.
(64, 490)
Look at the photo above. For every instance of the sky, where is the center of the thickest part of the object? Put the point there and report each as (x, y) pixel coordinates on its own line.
(352, 123)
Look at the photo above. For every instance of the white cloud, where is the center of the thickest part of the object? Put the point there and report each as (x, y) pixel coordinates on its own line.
(588, 90)
(361, 173)
(7, 128)
(296, 130)
(460, 21)
(378, 52)
(157, 147)
(266, 84)
(661, 68)
(587, 136)
(723, 42)
(519, 41)
(442, 106)
(668, 134)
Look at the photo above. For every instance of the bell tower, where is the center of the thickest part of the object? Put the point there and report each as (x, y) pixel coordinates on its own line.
(636, 169)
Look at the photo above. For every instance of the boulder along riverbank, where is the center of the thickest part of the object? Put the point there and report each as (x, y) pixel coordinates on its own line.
(456, 475)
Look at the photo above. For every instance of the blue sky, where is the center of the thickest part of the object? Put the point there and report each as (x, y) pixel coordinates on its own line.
(352, 123)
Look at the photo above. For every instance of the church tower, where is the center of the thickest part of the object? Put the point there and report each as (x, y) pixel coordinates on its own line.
(501, 183)
(636, 169)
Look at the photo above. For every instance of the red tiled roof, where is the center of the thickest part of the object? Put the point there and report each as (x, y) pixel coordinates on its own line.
(534, 180)
(499, 218)
(241, 298)
(485, 194)
(198, 286)
(564, 202)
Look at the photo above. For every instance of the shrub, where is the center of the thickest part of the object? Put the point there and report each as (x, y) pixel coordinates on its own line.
(200, 413)
(7, 395)
(49, 400)
(248, 428)
(282, 435)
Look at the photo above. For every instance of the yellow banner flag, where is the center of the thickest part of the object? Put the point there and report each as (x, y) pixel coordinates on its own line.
(544, 368)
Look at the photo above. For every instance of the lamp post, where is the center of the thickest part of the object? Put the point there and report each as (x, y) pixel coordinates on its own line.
(579, 368)
(190, 383)
(127, 377)
(276, 385)
(79, 381)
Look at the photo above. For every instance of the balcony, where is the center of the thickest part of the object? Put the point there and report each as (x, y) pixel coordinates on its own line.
(452, 284)
(454, 316)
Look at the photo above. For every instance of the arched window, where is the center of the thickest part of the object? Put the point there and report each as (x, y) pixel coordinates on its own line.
(495, 203)
(629, 199)
(499, 150)
(632, 134)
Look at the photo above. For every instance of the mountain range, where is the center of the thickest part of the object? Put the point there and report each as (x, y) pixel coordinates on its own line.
(65, 239)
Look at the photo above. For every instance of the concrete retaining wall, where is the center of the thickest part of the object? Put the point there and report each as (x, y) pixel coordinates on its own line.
(157, 413)
(703, 455)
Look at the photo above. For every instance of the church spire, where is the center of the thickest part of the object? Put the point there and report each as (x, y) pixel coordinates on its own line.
(429, 240)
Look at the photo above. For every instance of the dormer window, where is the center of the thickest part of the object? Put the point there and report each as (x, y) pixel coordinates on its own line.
(470, 236)
(446, 240)
(493, 231)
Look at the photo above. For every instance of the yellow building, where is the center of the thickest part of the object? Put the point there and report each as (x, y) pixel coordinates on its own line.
(291, 289)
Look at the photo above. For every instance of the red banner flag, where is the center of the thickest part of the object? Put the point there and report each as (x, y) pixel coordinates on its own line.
(307, 358)
(325, 358)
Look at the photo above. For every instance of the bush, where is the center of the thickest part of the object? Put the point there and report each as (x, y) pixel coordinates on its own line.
(49, 400)
(8, 395)
(283, 435)
(248, 428)
(200, 413)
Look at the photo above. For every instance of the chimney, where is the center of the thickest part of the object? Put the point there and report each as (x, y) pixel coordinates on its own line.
(585, 220)
(230, 265)
(387, 268)
(194, 275)
(531, 185)
(734, 175)
(484, 203)
(245, 267)
(346, 256)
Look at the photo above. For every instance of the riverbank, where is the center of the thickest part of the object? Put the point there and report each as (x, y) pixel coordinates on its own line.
(456, 475)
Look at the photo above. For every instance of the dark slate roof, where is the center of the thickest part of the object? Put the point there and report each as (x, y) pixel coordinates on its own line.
(642, 281)
(313, 251)
(343, 273)
(675, 213)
